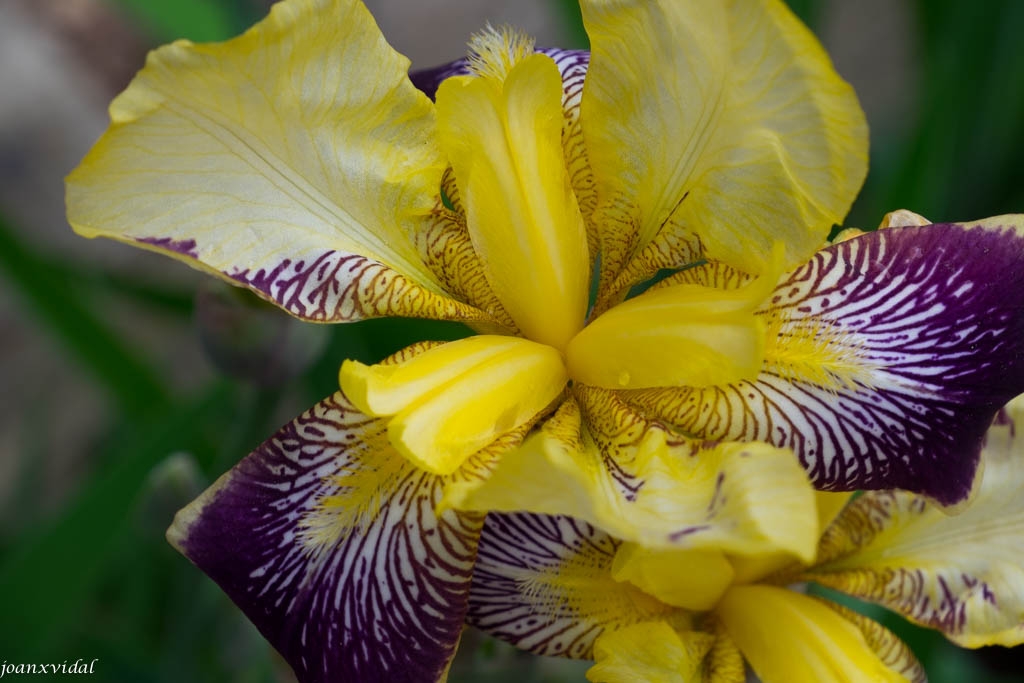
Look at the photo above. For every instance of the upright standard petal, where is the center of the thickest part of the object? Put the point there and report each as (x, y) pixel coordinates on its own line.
(328, 541)
(544, 584)
(502, 132)
(962, 574)
(296, 159)
(889, 355)
(720, 120)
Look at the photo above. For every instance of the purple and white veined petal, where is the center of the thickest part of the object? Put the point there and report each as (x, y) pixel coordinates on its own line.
(569, 64)
(890, 355)
(544, 584)
(328, 540)
(961, 574)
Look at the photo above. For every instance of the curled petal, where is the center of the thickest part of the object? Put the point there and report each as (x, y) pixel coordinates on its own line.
(572, 65)
(327, 539)
(690, 579)
(685, 335)
(888, 356)
(544, 583)
(452, 400)
(296, 159)
(428, 80)
(608, 466)
(655, 651)
(962, 574)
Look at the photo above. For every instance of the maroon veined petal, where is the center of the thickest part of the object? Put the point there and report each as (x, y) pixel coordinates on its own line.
(544, 584)
(568, 61)
(427, 80)
(923, 334)
(327, 539)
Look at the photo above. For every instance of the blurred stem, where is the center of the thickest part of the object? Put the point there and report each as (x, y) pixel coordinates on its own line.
(248, 429)
(572, 22)
(46, 578)
(169, 300)
(52, 299)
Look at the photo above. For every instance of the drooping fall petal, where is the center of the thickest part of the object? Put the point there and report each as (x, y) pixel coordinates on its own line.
(720, 120)
(610, 467)
(961, 574)
(296, 159)
(328, 541)
(890, 353)
(544, 584)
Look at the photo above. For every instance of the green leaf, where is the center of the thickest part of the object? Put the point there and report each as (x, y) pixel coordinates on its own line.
(807, 10)
(197, 20)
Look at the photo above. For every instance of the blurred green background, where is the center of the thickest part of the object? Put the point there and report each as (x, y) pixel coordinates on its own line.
(131, 382)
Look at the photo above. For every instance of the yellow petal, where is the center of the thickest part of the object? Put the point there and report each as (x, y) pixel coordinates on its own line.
(725, 120)
(788, 637)
(751, 569)
(503, 139)
(651, 652)
(691, 579)
(388, 388)
(893, 652)
(452, 400)
(962, 574)
(683, 335)
(296, 159)
(640, 484)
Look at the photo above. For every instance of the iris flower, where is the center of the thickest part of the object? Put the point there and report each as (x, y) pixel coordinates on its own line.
(711, 139)
(554, 585)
